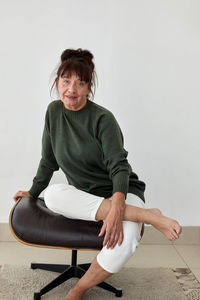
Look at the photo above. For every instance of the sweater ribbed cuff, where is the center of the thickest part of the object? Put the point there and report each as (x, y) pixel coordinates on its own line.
(34, 192)
(121, 183)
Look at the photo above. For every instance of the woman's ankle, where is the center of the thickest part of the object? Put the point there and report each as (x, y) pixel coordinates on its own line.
(147, 216)
(79, 289)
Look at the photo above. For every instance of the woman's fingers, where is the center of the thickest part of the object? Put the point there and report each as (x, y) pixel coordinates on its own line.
(114, 241)
(16, 196)
(112, 235)
(114, 238)
(107, 238)
(21, 194)
(121, 237)
(103, 228)
(118, 238)
(110, 241)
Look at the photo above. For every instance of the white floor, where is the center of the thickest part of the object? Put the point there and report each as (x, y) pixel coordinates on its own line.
(170, 256)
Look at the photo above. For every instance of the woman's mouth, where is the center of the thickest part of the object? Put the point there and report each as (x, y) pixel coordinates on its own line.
(71, 97)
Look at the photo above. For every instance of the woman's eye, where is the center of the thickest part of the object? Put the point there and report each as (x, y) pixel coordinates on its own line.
(80, 83)
(66, 81)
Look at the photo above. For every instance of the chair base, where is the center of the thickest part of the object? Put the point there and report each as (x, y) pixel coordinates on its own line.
(67, 272)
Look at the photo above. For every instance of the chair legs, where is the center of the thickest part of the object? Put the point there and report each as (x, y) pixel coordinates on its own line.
(67, 272)
(50, 267)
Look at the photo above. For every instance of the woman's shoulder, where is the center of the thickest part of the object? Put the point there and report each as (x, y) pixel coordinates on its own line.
(55, 104)
(101, 111)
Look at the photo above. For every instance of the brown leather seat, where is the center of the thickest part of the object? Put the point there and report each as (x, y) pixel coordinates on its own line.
(33, 224)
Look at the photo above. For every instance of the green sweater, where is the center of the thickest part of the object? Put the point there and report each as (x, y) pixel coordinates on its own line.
(88, 146)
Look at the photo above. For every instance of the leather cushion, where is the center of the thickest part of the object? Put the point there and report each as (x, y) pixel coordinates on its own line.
(32, 222)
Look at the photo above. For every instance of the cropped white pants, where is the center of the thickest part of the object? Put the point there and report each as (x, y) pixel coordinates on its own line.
(73, 203)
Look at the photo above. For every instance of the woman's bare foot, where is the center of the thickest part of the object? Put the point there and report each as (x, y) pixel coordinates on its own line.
(169, 227)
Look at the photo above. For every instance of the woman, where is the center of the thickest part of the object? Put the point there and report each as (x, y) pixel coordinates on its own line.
(85, 141)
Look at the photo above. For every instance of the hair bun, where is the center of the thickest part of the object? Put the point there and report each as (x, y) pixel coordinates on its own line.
(79, 53)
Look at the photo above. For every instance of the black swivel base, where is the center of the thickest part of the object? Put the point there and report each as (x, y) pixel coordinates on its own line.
(68, 271)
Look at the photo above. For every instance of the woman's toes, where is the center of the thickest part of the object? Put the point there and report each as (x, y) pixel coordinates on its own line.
(175, 235)
(179, 229)
(170, 238)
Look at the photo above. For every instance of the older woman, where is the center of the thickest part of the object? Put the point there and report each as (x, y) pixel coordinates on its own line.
(85, 141)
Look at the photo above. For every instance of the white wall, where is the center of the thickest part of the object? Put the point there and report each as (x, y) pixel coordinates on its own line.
(147, 61)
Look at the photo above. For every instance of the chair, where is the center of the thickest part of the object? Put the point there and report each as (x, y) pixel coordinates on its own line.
(33, 224)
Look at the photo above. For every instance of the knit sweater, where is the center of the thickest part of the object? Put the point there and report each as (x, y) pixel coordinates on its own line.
(88, 146)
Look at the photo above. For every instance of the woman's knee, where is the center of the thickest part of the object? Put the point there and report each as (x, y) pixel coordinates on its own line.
(112, 260)
(132, 236)
(131, 231)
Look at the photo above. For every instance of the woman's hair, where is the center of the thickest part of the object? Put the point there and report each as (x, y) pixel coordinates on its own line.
(79, 62)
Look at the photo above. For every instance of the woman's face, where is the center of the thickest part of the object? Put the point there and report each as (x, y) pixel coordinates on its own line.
(73, 92)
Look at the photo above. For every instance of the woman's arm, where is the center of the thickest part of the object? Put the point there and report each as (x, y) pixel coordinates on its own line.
(114, 157)
(114, 154)
(47, 165)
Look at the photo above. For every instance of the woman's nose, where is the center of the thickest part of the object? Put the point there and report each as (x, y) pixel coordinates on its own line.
(72, 87)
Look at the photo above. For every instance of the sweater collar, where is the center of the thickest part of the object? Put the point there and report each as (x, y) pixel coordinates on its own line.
(75, 113)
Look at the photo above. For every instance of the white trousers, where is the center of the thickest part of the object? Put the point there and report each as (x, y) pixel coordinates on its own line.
(73, 203)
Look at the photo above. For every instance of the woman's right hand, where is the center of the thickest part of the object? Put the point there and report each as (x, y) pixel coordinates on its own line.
(20, 194)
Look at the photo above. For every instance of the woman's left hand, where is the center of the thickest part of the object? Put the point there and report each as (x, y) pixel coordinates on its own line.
(113, 227)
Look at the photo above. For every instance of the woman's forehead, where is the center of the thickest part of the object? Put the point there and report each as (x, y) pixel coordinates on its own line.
(69, 74)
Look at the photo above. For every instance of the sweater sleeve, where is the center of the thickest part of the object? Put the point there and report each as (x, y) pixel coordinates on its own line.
(47, 165)
(114, 154)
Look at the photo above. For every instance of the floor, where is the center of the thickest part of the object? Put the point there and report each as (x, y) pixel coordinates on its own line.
(170, 256)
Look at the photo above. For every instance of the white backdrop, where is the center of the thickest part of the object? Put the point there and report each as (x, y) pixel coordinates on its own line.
(147, 56)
